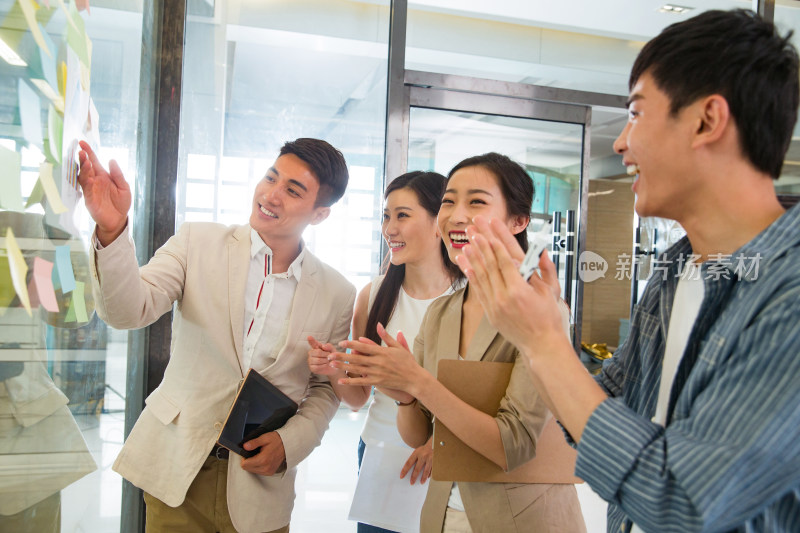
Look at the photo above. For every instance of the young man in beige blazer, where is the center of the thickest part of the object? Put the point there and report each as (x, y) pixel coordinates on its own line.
(246, 297)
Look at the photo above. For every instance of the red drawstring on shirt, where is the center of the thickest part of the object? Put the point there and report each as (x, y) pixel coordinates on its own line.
(258, 300)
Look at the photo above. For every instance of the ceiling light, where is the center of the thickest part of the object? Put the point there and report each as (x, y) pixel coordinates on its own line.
(672, 8)
(10, 55)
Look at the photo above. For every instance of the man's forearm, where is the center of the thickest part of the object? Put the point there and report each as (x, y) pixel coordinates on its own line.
(566, 387)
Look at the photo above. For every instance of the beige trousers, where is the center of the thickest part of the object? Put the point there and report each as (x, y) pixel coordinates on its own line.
(205, 509)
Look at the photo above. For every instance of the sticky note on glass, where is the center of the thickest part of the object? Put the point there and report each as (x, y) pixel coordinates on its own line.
(43, 281)
(7, 291)
(19, 270)
(37, 195)
(10, 192)
(30, 113)
(29, 11)
(76, 37)
(47, 62)
(50, 189)
(70, 316)
(79, 302)
(55, 133)
(66, 277)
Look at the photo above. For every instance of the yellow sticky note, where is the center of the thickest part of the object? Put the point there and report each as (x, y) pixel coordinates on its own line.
(19, 270)
(29, 10)
(55, 132)
(62, 80)
(86, 78)
(50, 189)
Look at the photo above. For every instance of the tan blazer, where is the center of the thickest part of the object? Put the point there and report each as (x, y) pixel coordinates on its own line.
(495, 507)
(203, 270)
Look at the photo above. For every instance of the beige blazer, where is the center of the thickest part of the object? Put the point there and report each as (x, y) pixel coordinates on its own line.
(203, 271)
(495, 507)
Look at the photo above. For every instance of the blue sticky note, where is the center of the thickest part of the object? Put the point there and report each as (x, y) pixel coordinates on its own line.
(48, 63)
(30, 114)
(54, 277)
(66, 276)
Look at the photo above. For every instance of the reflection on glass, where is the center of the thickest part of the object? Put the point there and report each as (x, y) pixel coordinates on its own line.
(62, 372)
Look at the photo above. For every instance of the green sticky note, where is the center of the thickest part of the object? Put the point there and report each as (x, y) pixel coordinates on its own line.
(76, 36)
(7, 291)
(70, 317)
(37, 195)
(80, 303)
(19, 270)
(10, 190)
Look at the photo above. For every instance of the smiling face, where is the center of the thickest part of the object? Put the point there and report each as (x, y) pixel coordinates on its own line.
(472, 191)
(409, 230)
(656, 148)
(284, 201)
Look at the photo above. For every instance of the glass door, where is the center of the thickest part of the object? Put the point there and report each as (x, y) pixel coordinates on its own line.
(547, 138)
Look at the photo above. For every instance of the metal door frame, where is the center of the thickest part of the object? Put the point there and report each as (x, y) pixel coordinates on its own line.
(458, 93)
(447, 92)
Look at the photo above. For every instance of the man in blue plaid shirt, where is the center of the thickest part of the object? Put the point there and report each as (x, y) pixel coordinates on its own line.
(694, 424)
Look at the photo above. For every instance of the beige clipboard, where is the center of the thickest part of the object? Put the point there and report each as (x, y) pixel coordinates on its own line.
(482, 384)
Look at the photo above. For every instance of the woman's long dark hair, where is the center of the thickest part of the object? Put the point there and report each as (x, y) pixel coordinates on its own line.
(429, 188)
(515, 183)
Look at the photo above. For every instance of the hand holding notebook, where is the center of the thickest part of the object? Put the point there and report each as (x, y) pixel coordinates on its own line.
(259, 407)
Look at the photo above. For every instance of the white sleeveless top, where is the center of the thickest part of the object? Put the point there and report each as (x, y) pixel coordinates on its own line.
(381, 422)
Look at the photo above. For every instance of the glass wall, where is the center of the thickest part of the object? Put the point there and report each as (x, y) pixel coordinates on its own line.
(258, 74)
(255, 75)
(65, 75)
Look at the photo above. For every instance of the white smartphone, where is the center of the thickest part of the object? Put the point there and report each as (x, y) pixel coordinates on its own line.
(538, 244)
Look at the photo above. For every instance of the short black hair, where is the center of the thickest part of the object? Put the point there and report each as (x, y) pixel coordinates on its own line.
(515, 184)
(326, 162)
(739, 56)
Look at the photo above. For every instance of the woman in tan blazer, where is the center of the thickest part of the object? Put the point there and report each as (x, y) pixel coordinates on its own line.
(455, 327)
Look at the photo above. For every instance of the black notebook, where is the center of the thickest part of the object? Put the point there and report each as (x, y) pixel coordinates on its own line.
(259, 407)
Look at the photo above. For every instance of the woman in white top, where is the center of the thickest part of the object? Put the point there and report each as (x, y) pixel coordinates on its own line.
(455, 326)
(419, 271)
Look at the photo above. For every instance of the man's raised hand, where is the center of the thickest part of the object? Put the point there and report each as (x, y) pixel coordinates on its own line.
(106, 193)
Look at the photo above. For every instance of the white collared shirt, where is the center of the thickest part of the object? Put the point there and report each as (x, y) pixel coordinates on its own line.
(270, 319)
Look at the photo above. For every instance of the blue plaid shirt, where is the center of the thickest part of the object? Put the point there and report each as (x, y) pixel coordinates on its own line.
(729, 456)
